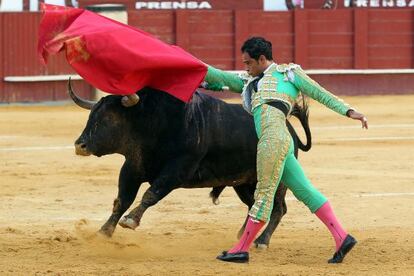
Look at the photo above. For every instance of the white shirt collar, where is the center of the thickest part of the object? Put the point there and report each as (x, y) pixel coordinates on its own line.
(270, 66)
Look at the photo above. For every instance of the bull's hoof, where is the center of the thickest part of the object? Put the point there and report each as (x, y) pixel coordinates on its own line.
(126, 222)
(106, 232)
(261, 246)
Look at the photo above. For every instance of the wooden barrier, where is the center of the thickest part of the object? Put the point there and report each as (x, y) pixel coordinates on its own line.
(315, 39)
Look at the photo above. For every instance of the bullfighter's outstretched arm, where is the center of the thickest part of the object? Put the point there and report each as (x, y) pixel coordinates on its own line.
(218, 79)
(314, 90)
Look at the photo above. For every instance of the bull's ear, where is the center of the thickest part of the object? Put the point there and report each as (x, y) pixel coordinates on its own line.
(130, 100)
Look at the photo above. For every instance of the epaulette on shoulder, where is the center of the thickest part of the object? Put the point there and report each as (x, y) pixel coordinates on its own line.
(244, 76)
(283, 68)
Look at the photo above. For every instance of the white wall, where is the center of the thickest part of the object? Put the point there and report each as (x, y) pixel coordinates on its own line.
(55, 2)
(11, 5)
(274, 5)
(279, 5)
(34, 5)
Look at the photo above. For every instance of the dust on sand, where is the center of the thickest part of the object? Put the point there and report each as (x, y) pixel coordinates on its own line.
(53, 202)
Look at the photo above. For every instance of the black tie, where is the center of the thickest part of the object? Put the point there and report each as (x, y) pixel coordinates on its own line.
(254, 83)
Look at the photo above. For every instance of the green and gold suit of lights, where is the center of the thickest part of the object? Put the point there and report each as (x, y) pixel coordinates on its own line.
(275, 155)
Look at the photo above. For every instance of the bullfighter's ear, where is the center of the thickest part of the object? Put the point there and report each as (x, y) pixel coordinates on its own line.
(130, 100)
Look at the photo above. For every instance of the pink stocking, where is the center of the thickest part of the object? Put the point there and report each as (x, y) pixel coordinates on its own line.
(326, 214)
(252, 228)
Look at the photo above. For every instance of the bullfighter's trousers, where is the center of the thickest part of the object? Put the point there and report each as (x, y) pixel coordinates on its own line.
(276, 162)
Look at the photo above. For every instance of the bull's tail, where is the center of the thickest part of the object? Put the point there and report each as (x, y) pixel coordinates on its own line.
(302, 113)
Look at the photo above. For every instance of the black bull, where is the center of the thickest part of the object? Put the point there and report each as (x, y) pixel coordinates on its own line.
(170, 144)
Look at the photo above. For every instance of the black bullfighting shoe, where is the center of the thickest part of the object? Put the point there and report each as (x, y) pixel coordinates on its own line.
(238, 257)
(346, 246)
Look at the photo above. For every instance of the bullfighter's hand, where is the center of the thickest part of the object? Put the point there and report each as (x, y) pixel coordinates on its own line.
(358, 116)
(214, 87)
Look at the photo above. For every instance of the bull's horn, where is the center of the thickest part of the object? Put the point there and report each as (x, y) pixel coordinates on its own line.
(130, 100)
(79, 101)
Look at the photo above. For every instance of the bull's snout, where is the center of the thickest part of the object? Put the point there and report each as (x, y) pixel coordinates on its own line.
(81, 149)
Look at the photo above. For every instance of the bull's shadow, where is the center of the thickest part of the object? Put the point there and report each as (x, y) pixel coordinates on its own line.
(170, 144)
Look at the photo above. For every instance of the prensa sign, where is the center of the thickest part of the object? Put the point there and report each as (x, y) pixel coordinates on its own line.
(168, 5)
(381, 3)
(182, 4)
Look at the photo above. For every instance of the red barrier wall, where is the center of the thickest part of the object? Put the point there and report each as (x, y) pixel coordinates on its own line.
(160, 24)
(331, 39)
(18, 57)
(316, 39)
(330, 42)
(390, 38)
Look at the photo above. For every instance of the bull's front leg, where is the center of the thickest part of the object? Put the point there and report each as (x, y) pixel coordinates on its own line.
(151, 196)
(171, 177)
(129, 183)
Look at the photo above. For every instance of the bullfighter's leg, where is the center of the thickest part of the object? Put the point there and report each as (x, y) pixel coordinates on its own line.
(273, 147)
(278, 211)
(128, 186)
(245, 193)
(279, 204)
(302, 188)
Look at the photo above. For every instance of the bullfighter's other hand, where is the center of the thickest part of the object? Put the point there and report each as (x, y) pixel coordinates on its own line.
(358, 116)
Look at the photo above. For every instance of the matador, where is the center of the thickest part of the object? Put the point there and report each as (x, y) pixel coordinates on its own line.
(269, 91)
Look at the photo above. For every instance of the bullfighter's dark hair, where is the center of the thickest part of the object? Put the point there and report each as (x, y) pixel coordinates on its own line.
(257, 46)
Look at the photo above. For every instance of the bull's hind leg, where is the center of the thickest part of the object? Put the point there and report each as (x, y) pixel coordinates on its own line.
(246, 195)
(127, 191)
(278, 211)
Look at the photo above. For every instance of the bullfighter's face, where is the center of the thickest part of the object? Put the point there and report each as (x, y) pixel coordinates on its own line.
(254, 67)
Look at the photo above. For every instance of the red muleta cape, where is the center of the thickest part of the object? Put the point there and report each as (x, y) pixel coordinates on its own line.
(115, 57)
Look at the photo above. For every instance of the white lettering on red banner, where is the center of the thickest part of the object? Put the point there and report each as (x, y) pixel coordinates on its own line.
(169, 5)
(383, 3)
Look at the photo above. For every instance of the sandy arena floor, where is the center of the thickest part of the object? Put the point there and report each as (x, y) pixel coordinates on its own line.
(53, 202)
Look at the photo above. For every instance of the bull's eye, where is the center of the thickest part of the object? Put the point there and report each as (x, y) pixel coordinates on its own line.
(93, 129)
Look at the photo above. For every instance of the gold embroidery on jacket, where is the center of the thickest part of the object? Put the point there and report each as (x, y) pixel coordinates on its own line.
(268, 91)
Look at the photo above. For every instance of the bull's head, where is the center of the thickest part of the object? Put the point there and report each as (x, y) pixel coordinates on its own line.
(106, 125)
